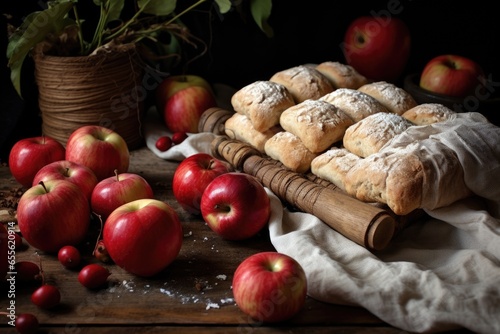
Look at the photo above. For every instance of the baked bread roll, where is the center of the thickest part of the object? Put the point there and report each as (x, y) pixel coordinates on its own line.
(428, 113)
(423, 174)
(333, 165)
(370, 134)
(395, 179)
(317, 123)
(394, 98)
(240, 128)
(357, 105)
(303, 82)
(290, 151)
(262, 102)
(341, 75)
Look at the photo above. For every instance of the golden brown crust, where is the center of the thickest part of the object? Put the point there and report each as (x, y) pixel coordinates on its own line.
(342, 75)
(290, 151)
(395, 179)
(303, 82)
(317, 123)
(394, 98)
(262, 102)
(240, 128)
(428, 113)
(370, 134)
(354, 103)
(333, 165)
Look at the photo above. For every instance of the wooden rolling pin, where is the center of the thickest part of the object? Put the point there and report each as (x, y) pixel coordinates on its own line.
(368, 225)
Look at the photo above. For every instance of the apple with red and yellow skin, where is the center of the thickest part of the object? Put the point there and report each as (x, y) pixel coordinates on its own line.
(53, 214)
(183, 109)
(70, 171)
(235, 206)
(117, 190)
(452, 75)
(377, 47)
(100, 149)
(192, 176)
(143, 237)
(28, 155)
(172, 84)
(270, 287)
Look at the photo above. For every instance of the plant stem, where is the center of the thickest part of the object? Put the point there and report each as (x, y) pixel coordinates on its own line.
(78, 24)
(97, 39)
(159, 27)
(173, 19)
(127, 24)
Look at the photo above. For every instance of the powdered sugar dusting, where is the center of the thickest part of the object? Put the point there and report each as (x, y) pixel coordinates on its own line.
(370, 134)
(394, 98)
(267, 94)
(354, 103)
(428, 113)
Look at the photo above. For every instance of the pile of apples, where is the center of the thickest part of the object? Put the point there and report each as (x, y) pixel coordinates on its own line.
(88, 178)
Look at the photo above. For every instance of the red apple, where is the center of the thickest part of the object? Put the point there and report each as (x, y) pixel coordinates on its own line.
(270, 287)
(28, 155)
(70, 171)
(235, 206)
(117, 190)
(53, 214)
(100, 149)
(172, 84)
(377, 47)
(143, 236)
(452, 75)
(192, 176)
(183, 109)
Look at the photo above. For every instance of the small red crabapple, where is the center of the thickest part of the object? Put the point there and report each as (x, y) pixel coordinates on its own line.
(163, 143)
(179, 137)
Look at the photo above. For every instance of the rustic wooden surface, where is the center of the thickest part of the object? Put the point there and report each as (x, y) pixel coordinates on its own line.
(193, 295)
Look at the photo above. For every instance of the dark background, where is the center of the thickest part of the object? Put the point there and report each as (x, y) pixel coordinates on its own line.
(304, 32)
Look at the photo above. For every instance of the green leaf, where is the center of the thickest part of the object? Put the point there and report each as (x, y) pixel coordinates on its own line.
(115, 9)
(261, 10)
(34, 30)
(224, 5)
(157, 7)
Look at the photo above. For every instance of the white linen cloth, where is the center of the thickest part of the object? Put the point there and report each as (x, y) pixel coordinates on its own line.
(439, 274)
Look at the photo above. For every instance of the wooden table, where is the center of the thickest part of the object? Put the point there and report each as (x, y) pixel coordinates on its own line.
(193, 295)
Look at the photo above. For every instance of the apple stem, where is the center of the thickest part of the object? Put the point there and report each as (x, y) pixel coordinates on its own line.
(100, 232)
(116, 174)
(210, 164)
(43, 185)
(224, 208)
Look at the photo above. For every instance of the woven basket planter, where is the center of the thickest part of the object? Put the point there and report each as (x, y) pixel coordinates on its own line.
(102, 89)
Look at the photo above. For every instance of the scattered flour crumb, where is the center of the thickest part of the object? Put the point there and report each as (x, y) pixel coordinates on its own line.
(190, 233)
(222, 277)
(227, 300)
(212, 305)
(166, 292)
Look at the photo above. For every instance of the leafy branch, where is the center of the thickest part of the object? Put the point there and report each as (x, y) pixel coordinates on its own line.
(44, 25)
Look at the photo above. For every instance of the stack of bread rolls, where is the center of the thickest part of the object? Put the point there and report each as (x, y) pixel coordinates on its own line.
(332, 121)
